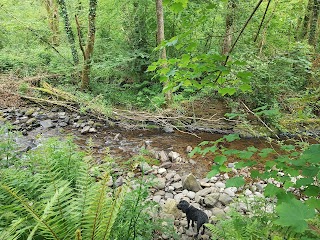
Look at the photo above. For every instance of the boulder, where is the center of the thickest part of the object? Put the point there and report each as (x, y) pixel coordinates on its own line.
(190, 183)
(170, 207)
(211, 199)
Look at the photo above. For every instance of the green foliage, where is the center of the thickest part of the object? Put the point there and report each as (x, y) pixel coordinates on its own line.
(8, 147)
(51, 194)
(303, 164)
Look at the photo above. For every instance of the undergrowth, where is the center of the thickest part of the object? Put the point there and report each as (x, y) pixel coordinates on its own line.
(51, 193)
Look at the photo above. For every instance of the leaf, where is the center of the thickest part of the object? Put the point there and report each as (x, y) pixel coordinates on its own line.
(215, 170)
(288, 147)
(265, 152)
(304, 182)
(254, 174)
(271, 190)
(232, 137)
(173, 41)
(312, 154)
(245, 88)
(294, 213)
(194, 151)
(176, 7)
(152, 67)
(224, 91)
(252, 149)
(312, 191)
(220, 159)
(313, 203)
(235, 182)
(245, 154)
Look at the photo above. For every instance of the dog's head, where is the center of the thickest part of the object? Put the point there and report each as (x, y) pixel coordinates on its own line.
(183, 205)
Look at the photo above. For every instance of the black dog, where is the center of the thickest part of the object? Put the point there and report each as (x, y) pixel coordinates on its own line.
(194, 215)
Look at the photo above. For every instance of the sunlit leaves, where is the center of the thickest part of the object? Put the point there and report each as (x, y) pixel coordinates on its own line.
(235, 182)
(294, 213)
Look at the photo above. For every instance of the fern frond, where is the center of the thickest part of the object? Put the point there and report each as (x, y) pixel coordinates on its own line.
(24, 202)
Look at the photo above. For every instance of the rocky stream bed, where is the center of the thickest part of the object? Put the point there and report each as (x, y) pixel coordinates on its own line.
(177, 176)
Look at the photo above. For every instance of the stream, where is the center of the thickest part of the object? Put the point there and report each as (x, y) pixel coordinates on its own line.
(122, 143)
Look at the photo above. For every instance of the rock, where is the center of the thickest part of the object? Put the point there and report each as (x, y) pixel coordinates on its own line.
(177, 185)
(92, 130)
(178, 197)
(85, 129)
(110, 182)
(160, 183)
(191, 194)
(231, 191)
(117, 137)
(168, 195)
(211, 199)
(162, 170)
(144, 166)
(170, 207)
(176, 178)
(163, 157)
(156, 198)
(119, 181)
(29, 112)
(204, 192)
(188, 149)
(190, 183)
(220, 184)
(166, 165)
(225, 199)
(170, 175)
(62, 124)
(247, 192)
(46, 123)
(168, 129)
(160, 193)
(173, 155)
(31, 121)
(218, 212)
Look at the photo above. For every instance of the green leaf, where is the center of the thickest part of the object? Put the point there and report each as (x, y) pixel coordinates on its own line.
(224, 168)
(312, 154)
(215, 170)
(304, 182)
(176, 7)
(288, 147)
(294, 214)
(235, 182)
(173, 41)
(245, 154)
(203, 143)
(230, 152)
(194, 151)
(254, 174)
(265, 152)
(313, 203)
(312, 191)
(245, 88)
(252, 149)
(220, 159)
(310, 171)
(152, 67)
(271, 190)
(224, 91)
(232, 137)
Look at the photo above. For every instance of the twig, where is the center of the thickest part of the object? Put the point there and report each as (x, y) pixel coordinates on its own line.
(250, 111)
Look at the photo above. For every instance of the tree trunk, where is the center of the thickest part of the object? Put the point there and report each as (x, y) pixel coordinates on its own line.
(314, 23)
(160, 38)
(306, 20)
(69, 32)
(87, 54)
(53, 18)
(227, 41)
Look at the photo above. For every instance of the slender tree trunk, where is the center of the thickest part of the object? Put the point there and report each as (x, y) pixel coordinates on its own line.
(160, 38)
(306, 20)
(70, 35)
(53, 18)
(227, 41)
(87, 54)
(314, 23)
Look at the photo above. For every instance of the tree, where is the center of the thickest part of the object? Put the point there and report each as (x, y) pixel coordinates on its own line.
(88, 51)
(306, 20)
(160, 38)
(53, 18)
(314, 23)
(68, 29)
(227, 41)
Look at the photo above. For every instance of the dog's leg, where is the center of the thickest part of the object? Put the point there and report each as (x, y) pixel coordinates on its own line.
(192, 223)
(204, 228)
(188, 219)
